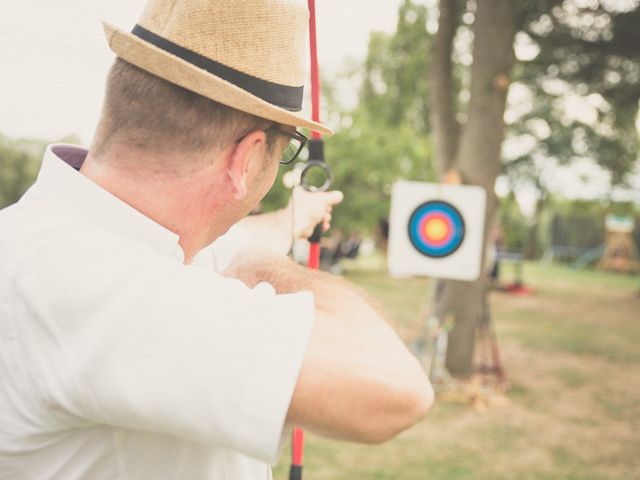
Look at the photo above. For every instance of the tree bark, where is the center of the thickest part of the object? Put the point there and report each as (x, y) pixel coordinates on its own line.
(444, 124)
(478, 161)
(532, 247)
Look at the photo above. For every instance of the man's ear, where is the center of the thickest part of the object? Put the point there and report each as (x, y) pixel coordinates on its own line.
(247, 150)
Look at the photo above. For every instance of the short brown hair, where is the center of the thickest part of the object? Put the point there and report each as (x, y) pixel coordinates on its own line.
(148, 113)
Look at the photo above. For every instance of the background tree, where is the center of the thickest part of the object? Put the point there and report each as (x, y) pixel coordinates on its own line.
(582, 84)
(472, 148)
(580, 53)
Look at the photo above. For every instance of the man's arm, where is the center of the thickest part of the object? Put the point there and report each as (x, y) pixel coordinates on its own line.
(358, 381)
(276, 230)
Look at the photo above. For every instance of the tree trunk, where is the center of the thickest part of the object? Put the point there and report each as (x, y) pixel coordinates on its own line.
(442, 109)
(478, 161)
(531, 249)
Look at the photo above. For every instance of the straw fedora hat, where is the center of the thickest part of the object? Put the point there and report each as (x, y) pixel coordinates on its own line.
(247, 54)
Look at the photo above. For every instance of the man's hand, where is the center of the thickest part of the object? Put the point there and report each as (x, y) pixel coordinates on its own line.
(305, 210)
(312, 208)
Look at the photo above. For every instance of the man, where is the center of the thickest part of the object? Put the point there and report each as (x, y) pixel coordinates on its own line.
(144, 334)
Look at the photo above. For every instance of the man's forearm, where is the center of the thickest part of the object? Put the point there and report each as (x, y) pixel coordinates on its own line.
(358, 381)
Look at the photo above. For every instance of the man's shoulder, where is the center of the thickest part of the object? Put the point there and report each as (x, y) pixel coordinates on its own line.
(35, 216)
(33, 230)
(28, 222)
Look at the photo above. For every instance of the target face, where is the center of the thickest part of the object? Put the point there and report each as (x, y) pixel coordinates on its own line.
(436, 229)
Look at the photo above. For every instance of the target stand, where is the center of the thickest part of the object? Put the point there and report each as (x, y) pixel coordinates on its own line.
(436, 230)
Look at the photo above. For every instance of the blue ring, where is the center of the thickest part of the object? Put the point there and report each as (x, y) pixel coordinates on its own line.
(448, 211)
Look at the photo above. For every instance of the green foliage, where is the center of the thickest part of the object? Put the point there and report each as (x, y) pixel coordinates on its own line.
(385, 137)
(279, 195)
(395, 87)
(588, 50)
(513, 224)
(19, 163)
(366, 159)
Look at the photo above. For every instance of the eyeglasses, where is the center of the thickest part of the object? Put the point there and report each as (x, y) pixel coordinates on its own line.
(296, 145)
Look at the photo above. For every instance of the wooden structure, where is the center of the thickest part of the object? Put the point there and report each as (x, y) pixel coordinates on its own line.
(620, 249)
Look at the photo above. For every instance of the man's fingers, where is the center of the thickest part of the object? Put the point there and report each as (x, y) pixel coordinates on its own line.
(334, 197)
(326, 222)
(313, 208)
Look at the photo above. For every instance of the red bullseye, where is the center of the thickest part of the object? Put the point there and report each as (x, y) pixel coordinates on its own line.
(436, 229)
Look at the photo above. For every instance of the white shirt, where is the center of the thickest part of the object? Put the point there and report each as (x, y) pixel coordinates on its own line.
(117, 361)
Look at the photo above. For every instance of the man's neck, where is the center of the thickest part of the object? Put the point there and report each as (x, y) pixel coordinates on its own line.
(188, 204)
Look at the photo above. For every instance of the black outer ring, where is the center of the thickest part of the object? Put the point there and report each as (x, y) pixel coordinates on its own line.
(446, 254)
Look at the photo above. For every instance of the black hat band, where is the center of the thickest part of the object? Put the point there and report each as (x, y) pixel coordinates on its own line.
(283, 96)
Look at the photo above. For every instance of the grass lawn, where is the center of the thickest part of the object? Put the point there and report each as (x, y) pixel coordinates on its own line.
(572, 355)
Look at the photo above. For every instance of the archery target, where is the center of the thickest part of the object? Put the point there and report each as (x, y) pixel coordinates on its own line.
(436, 230)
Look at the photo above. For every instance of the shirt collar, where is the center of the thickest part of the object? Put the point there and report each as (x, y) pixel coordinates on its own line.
(59, 177)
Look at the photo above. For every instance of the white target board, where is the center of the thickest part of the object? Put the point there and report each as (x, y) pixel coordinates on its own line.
(436, 230)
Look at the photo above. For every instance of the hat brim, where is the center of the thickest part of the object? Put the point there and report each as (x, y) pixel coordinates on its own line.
(176, 70)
